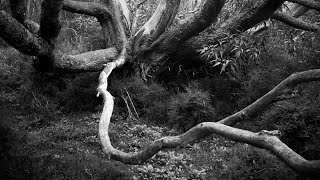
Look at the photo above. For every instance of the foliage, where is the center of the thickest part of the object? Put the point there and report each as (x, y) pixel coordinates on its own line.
(230, 51)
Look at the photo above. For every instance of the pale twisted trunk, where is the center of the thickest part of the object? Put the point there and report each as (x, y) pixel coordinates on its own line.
(263, 139)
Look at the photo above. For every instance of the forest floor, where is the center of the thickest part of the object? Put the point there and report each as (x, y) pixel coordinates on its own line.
(68, 148)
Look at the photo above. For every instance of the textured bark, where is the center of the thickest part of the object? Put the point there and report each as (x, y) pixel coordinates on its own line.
(251, 15)
(136, 16)
(308, 3)
(284, 87)
(163, 47)
(88, 8)
(263, 139)
(294, 22)
(156, 25)
(91, 61)
(15, 34)
(101, 12)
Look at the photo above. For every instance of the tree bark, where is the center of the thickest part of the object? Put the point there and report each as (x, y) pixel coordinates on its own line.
(159, 51)
(15, 34)
(296, 23)
(313, 4)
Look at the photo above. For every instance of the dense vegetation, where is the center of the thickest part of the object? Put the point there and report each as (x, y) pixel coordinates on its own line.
(49, 120)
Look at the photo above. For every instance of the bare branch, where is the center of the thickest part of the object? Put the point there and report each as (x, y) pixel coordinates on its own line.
(43, 47)
(263, 102)
(15, 34)
(251, 15)
(160, 20)
(135, 17)
(120, 31)
(169, 41)
(88, 8)
(125, 12)
(261, 139)
(294, 22)
(86, 62)
(308, 3)
(297, 10)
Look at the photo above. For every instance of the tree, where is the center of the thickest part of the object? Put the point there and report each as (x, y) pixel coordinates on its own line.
(148, 48)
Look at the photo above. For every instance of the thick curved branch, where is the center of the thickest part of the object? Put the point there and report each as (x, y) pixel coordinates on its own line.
(192, 26)
(251, 15)
(158, 23)
(284, 87)
(136, 16)
(125, 12)
(295, 10)
(261, 139)
(308, 3)
(294, 22)
(97, 10)
(119, 29)
(91, 61)
(169, 41)
(15, 34)
(43, 47)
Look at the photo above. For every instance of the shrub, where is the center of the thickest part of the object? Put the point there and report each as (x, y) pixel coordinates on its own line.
(187, 109)
(135, 96)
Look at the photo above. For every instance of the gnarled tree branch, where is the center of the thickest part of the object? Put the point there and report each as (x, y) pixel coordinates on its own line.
(136, 16)
(167, 43)
(15, 34)
(251, 15)
(156, 25)
(261, 139)
(308, 3)
(294, 22)
(263, 102)
(43, 46)
(88, 8)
